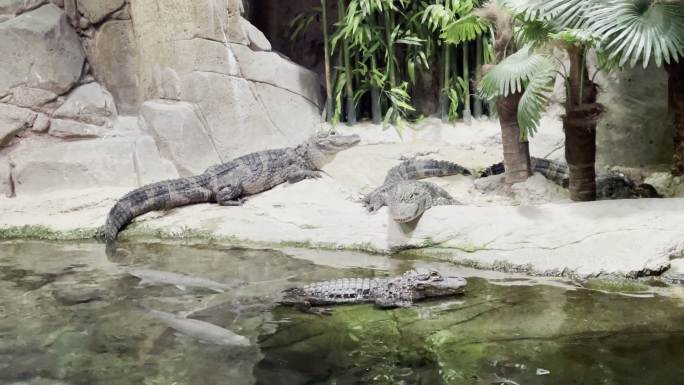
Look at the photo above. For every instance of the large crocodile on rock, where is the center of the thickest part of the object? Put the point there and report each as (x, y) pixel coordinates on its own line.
(408, 198)
(609, 185)
(227, 183)
(400, 291)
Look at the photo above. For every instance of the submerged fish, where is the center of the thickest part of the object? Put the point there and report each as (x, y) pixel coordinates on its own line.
(181, 281)
(200, 330)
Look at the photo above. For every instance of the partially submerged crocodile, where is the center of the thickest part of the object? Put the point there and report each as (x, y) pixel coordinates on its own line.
(400, 291)
(408, 198)
(227, 183)
(609, 185)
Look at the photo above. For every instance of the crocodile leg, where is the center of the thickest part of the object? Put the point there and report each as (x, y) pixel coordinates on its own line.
(296, 174)
(306, 307)
(229, 195)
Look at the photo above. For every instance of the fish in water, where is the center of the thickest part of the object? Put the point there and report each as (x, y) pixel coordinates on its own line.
(203, 331)
(181, 281)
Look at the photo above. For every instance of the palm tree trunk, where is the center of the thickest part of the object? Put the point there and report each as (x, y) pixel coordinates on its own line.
(675, 87)
(516, 151)
(579, 125)
(326, 54)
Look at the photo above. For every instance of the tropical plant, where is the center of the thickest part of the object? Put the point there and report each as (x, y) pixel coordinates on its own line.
(637, 31)
(381, 47)
(562, 23)
(456, 25)
(499, 85)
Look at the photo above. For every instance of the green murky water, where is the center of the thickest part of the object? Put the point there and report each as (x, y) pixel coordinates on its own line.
(67, 316)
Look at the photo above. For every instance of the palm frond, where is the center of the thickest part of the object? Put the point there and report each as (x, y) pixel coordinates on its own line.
(511, 73)
(437, 16)
(535, 32)
(562, 13)
(523, 70)
(635, 31)
(534, 100)
(464, 29)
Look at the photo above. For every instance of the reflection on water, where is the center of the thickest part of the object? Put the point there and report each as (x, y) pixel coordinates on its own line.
(68, 316)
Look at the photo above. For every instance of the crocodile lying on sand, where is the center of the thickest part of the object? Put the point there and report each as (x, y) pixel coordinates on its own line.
(609, 185)
(399, 291)
(408, 198)
(227, 183)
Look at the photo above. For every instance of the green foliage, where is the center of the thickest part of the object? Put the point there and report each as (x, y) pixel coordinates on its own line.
(527, 72)
(387, 44)
(638, 30)
(464, 29)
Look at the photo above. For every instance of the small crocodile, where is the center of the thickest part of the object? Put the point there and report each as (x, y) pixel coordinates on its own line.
(408, 198)
(609, 185)
(400, 291)
(227, 183)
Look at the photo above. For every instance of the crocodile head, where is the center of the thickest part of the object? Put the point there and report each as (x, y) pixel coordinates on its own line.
(322, 147)
(431, 283)
(408, 201)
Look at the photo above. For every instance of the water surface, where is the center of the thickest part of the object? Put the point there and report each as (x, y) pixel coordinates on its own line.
(67, 316)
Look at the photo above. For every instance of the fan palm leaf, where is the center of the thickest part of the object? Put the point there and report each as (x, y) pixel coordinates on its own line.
(636, 30)
(464, 29)
(526, 72)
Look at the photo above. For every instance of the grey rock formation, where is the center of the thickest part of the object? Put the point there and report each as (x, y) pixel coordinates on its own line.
(97, 10)
(90, 103)
(47, 53)
(13, 120)
(12, 8)
(179, 132)
(71, 129)
(42, 164)
(257, 39)
(113, 56)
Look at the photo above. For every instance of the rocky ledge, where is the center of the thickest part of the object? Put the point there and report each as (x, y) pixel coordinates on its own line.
(623, 237)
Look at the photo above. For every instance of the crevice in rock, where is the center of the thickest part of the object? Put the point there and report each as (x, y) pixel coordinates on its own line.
(255, 93)
(313, 102)
(136, 166)
(205, 128)
(12, 189)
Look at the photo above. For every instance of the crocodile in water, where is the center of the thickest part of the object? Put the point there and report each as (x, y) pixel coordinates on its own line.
(400, 291)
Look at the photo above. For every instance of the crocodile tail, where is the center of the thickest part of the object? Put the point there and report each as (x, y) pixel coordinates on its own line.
(495, 169)
(161, 195)
(555, 171)
(424, 168)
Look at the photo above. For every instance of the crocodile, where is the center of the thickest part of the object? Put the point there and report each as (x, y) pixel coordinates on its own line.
(408, 198)
(228, 183)
(399, 291)
(609, 185)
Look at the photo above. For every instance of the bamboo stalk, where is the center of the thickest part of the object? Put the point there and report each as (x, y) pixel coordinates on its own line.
(349, 90)
(389, 28)
(326, 54)
(477, 105)
(467, 116)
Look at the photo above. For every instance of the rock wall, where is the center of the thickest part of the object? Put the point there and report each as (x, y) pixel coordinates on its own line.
(122, 93)
(636, 129)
